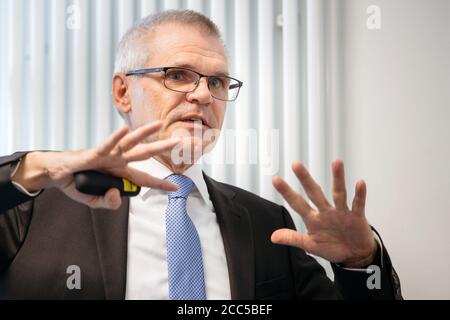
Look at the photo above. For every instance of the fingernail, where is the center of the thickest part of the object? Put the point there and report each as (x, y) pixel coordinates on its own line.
(111, 202)
(274, 237)
(173, 187)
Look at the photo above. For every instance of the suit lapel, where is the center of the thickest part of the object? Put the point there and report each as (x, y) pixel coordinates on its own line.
(111, 235)
(235, 226)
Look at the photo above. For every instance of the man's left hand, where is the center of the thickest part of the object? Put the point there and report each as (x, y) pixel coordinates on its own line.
(335, 233)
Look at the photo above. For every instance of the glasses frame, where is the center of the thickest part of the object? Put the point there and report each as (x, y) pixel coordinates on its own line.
(139, 72)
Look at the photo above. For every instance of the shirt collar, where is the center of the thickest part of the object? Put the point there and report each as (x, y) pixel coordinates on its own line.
(160, 171)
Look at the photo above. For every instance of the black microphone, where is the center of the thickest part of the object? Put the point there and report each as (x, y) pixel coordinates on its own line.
(97, 183)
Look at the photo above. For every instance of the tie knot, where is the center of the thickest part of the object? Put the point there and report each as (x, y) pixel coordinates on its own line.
(185, 185)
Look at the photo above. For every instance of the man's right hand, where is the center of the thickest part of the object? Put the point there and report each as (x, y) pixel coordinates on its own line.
(41, 170)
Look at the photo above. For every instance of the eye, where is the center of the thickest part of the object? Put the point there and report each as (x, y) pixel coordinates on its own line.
(177, 75)
(216, 82)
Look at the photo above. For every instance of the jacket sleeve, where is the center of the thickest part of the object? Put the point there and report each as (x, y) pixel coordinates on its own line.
(10, 196)
(379, 281)
(313, 283)
(15, 211)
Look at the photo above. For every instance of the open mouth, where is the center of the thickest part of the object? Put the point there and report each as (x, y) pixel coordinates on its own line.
(195, 121)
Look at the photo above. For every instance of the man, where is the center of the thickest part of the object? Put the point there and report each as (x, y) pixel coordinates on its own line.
(186, 236)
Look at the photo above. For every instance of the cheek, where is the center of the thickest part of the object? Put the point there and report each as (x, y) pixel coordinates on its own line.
(142, 114)
(219, 114)
(169, 108)
(145, 108)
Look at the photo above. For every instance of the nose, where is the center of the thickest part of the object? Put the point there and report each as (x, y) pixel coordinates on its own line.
(201, 95)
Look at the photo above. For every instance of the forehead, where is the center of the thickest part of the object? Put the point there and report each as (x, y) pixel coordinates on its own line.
(180, 45)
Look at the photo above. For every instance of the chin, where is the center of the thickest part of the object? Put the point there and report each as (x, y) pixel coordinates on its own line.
(190, 150)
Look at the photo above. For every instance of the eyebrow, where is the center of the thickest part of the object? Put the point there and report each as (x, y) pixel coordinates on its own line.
(188, 66)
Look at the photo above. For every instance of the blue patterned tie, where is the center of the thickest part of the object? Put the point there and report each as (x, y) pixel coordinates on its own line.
(184, 253)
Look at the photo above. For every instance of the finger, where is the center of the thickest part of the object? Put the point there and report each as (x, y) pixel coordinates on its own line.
(135, 137)
(111, 200)
(359, 201)
(294, 199)
(143, 179)
(312, 189)
(339, 190)
(290, 237)
(105, 148)
(148, 150)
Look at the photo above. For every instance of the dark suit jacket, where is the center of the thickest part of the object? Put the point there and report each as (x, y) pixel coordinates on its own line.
(41, 237)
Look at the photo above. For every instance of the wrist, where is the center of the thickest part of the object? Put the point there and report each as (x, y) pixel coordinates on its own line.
(32, 173)
(363, 261)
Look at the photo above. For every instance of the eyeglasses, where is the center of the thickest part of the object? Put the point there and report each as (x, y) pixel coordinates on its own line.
(185, 80)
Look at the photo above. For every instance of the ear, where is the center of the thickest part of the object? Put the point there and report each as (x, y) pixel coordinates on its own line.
(121, 93)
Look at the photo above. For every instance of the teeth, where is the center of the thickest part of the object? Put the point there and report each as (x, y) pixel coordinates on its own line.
(194, 119)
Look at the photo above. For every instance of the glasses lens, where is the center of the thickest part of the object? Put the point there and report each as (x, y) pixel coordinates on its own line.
(181, 80)
(224, 88)
(184, 80)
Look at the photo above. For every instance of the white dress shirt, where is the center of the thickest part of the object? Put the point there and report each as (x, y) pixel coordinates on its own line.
(147, 276)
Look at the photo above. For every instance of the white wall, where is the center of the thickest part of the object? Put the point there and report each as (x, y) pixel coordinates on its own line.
(379, 99)
(396, 96)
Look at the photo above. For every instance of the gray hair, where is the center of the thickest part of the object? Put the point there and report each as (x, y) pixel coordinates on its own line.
(133, 52)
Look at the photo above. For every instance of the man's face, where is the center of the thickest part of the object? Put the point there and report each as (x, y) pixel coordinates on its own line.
(176, 45)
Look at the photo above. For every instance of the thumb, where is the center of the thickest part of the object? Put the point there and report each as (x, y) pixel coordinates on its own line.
(112, 199)
(288, 237)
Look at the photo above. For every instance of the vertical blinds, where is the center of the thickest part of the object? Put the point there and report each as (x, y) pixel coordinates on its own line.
(57, 61)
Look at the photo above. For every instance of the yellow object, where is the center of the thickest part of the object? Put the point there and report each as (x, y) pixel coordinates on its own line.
(128, 186)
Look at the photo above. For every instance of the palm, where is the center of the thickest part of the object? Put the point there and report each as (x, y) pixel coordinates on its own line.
(336, 234)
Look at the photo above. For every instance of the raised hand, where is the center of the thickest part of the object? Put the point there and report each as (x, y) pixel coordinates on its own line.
(41, 170)
(335, 233)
